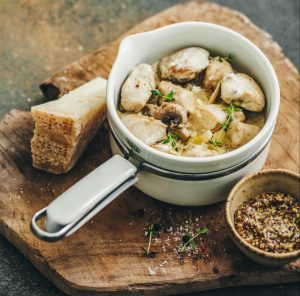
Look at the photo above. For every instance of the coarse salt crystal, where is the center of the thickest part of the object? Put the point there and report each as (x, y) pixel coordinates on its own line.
(152, 270)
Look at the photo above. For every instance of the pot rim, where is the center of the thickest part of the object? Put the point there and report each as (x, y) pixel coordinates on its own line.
(116, 121)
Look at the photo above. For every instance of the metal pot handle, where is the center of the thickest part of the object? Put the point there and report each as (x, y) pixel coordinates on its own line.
(85, 199)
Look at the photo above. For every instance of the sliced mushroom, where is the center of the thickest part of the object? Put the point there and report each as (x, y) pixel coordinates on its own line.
(185, 64)
(147, 129)
(215, 71)
(240, 133)
(168, 113)
(193, 150)
(182, 96)
(151, 110)
(173, 114)
(207, 117)
(136, 90)
(242, 90)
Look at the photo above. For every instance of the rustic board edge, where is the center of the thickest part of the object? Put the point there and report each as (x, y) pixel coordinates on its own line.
(73, 289)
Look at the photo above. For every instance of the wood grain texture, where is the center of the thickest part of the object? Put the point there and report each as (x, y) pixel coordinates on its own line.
(104, 256)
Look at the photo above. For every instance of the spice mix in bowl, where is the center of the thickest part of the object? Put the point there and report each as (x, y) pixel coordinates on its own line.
(263, 216)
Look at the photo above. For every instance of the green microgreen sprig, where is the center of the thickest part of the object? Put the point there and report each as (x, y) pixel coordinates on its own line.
(173, 140)
(151, 232)
(168, 98)
(215, 143)
(228, 58)
(230, 110)
(188, 240)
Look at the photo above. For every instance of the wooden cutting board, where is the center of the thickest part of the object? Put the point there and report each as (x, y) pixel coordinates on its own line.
(105, 256)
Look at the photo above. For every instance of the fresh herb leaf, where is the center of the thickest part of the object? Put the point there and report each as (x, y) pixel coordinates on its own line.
(193, 245)
(202, 230)
(223, 126)
(188, 240)
(170, 96)
(174, 145)
(215, 143)
(231, 109)
(151, 232)
(228, 58)
(173, 140)
(156, 92)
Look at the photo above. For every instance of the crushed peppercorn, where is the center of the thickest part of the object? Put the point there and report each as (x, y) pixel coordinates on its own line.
(270, 222)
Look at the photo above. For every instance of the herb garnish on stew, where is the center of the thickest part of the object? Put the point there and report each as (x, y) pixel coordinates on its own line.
(168, 98)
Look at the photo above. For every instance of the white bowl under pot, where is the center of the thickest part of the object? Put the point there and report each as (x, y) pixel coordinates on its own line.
(188, 181)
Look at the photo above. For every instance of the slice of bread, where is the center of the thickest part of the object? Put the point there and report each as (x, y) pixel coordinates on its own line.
(64, 127)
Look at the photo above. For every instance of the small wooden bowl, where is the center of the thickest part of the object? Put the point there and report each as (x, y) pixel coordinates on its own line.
(249, 187)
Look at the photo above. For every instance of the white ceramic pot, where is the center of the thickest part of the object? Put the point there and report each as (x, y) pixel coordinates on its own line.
(151, 46)
(173, 179)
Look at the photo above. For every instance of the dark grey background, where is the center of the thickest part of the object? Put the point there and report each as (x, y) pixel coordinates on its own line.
(39, 37)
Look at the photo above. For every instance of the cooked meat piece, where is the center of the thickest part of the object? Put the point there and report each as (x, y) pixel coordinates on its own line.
(193, 150)
(182, 96)
(198, 92)
(136, 90)
(207, 117)
(242, 90)
(240, 133)
(239, 116)
(147, 129)
(215, 71)
(181, 131)
(185, 64)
